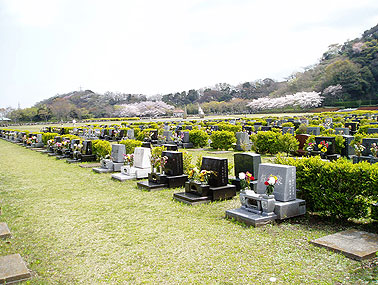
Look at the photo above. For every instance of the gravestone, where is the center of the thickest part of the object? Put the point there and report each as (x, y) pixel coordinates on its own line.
(174, 165)
(115, 163)
(265, 128)
(242, 141)
(367, 142)
(217, 187)
(246, 162)
(168, 136)
(13, 269)
(186, 140)
(352, 127)
(342, 131)
(302, 138)
(154, 135)
(285, 188)
(347, 150)
(372, 130)
(289, 130)
(220, 168)
(331, 144)
(253, 211)
(313, 131)
(172, 177)
(130, 134)
(118, 152)
(140, 169)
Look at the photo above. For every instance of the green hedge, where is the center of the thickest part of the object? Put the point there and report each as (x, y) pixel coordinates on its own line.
(101, 148)
(48, 136)
(338, 189)
(222, 139)
(198, 138)
(131, 145)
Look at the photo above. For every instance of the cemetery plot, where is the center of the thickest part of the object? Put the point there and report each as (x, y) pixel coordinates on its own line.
(172, 177)
(259, 208)
(214, 185)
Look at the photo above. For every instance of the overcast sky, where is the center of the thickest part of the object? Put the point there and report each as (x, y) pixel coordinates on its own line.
(50, 47)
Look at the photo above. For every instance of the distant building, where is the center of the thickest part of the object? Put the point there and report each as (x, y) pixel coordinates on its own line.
(179, 113)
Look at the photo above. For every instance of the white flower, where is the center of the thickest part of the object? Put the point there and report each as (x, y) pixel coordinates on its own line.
(271, 180)
(241, 175)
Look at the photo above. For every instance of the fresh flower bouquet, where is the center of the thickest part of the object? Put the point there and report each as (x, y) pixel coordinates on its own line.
(374, 149)
(272, 180)
(129, 159)
(245, 179)
(65, 144)
(193, 174)
(358, 148)
(310, 147)
(177, 138)
(163, 161)
(204, 176)
(323, 146)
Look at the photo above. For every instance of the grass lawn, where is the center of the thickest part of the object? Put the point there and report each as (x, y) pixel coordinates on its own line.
(72, 225)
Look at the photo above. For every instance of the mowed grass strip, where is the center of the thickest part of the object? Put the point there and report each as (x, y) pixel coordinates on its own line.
(72, 225)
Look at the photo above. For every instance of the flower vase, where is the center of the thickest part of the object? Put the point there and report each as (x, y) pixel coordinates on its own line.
(268, 204)
(161, 170)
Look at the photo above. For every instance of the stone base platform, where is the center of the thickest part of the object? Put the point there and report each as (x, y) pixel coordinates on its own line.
(250, 219)
(13, 269)
(102, 170)
(151, 186)
(191, 199)
(4, 231)
(355, 244)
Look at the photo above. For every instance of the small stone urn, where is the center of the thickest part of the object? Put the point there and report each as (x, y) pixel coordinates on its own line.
(268, 204)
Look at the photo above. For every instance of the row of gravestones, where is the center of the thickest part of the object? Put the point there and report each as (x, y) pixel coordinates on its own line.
(217, 187)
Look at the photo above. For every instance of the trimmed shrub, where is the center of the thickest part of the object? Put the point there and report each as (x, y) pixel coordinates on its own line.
(130, 145)
(199, 138)
(222, 140)
(229, 127)
(48, 136)
(339, 189)
(288, 124)
(101, 148)
(266, 142)
(187, 161)
(287, 143)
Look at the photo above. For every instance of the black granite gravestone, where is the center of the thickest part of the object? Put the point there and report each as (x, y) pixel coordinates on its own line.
(220, 168)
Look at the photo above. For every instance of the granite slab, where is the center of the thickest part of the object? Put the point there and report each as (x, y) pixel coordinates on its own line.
(4, 231)
(352, 243)
(13, 269)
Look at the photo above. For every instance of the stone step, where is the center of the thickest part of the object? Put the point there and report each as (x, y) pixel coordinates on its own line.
(4, 231)
(13, 269)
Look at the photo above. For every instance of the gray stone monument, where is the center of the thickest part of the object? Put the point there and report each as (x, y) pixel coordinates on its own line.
(313, 131)
(242, 141)
(130, 134)
(141, 167)
(342, 131)
(289, 130)
(253, 209)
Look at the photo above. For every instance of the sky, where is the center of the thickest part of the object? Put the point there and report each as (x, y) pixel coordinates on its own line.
(150, 47)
